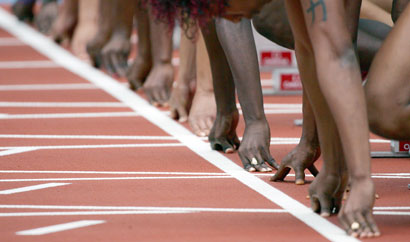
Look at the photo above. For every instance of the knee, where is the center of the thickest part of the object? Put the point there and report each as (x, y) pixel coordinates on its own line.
(384, 117)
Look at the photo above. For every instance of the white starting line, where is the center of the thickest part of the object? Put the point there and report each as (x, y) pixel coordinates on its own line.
(60, 227)
(31, 188)
(43, 87)
(28, 64)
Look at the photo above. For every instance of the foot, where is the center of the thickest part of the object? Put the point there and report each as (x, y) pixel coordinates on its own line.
(300, 158)
(203, 113)
(157, 87)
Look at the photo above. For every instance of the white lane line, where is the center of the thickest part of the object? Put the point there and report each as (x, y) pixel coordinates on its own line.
(391, 208)
(391, 213)
(223, 176)
(133, 208)
(28, 64)
(32, 188)
(15, 151)
(63, 104)
(60, 227)
(111, 86)
(43, 87)
(109, 137)
(69, 115)
(10, 41)
(115, 178)
(56, 147)
(82, 213)
(117, 172)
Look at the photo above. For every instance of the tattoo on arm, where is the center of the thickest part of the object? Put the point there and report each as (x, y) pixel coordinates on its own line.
(313, 6)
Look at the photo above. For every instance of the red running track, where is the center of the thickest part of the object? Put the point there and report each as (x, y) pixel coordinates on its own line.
(79, 150)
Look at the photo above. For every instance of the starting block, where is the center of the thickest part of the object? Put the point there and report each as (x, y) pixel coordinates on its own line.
(399, 149)
(285, 81)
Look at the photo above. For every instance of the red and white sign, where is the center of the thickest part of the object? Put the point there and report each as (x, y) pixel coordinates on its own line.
(287, 80)
(400, 146)
(276, 58)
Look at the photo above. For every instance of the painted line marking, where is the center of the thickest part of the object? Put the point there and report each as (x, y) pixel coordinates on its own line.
(43, 87)
(32, 188)
(111, 86)
(96, 146)
(28, 64)
(10, 41)
(223, 176)
(115, 178)
(82, 213)
(110, 137)
(60, 227)
(16, 151)
(146, 208)
(63, 104)
(117, 172)
(69, 115)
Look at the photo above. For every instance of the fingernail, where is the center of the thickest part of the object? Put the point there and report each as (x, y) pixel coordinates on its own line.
(251, 169)
(263, 170)
(299, 182)
(202, 134)
(182, 119)
(325, 214)
(230, 150)
(269, 169)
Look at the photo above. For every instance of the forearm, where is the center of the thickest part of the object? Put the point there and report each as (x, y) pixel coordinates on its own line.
(224, 87)
(239, 47)
(123, 13)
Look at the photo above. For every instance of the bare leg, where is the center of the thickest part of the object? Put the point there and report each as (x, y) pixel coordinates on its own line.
(388, 86)
(159, 81)
(203, 110)
(141, 66)
(372, 11)
(182, 91)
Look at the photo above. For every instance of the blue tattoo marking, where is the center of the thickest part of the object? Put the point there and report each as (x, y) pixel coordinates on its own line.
(313, 6)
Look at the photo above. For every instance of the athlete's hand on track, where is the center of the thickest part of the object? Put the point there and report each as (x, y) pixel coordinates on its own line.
(356, 215)
(179, 102)
(157, 87)
(254, 150)
(300, 158)
(326, 193)
(223, 133)
(115, 55)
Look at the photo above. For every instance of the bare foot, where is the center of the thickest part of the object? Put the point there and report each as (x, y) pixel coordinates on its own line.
(203, 113)
(300, 158)
(157, 87)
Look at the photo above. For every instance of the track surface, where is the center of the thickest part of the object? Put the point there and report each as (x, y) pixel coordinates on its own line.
(78, 149)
